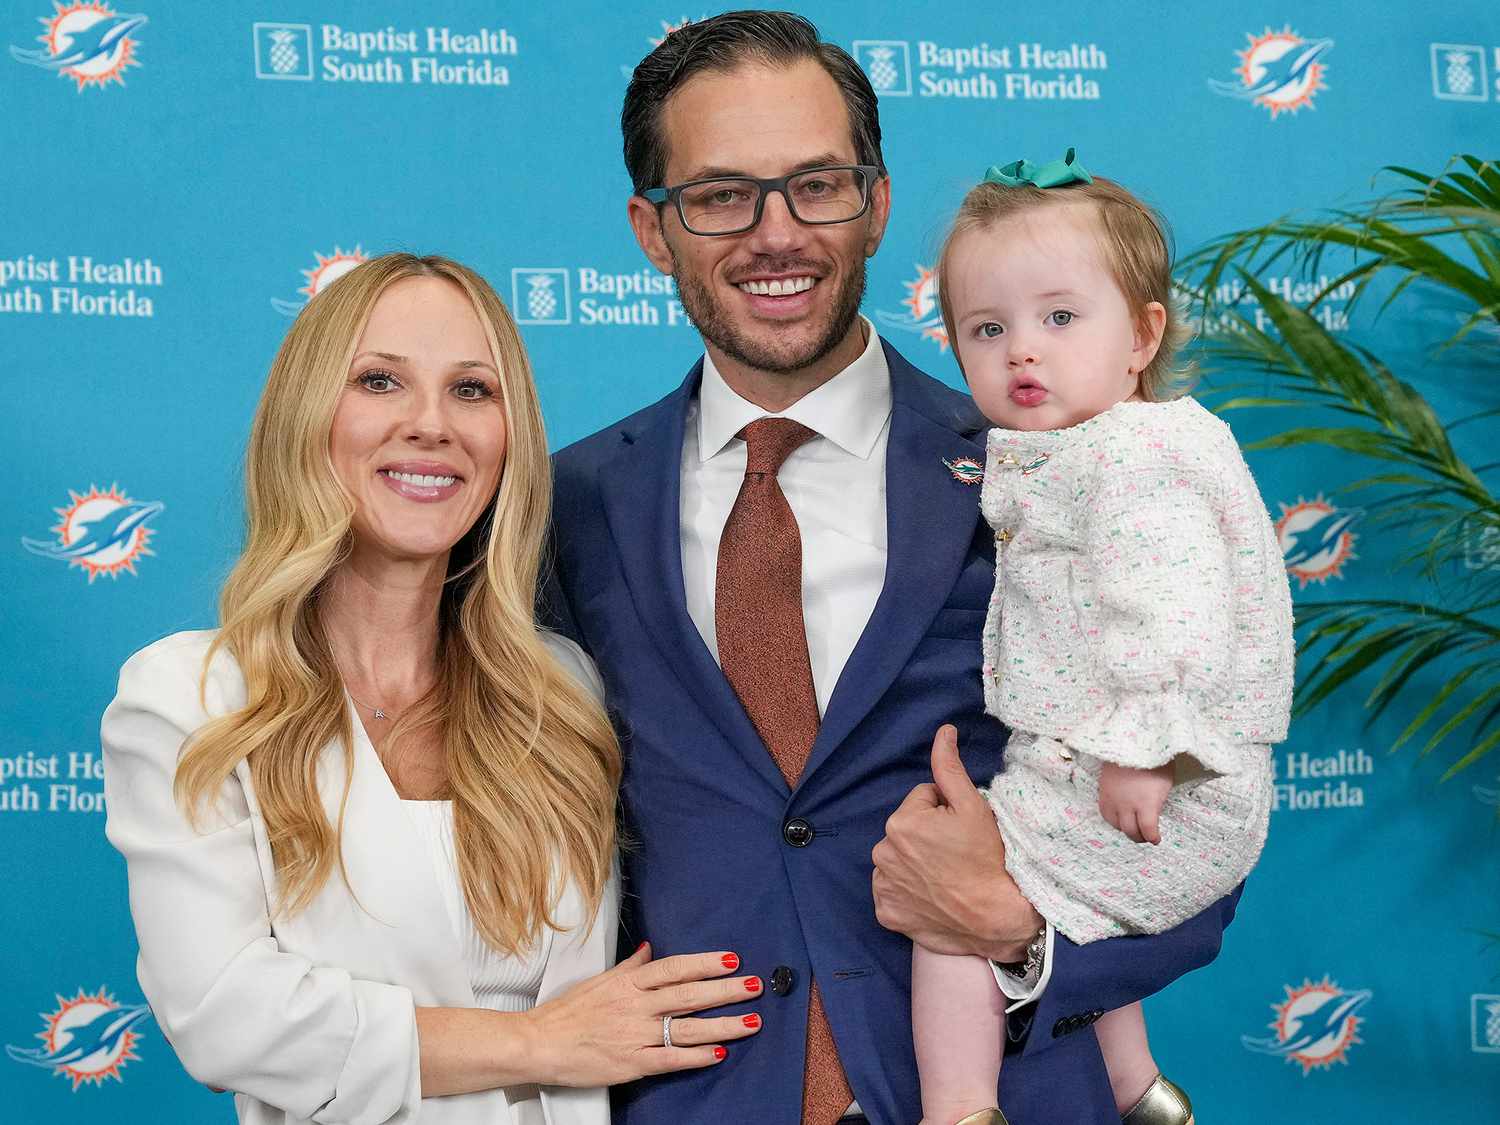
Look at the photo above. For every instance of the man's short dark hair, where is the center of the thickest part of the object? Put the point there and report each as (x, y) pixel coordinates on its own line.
(723, 43)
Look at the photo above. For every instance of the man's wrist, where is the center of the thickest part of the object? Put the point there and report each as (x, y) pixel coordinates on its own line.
(1029, 965)
(1010, 946)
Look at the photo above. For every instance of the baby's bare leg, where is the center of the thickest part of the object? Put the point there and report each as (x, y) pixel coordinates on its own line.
(957, 1021)
(1127, 1054)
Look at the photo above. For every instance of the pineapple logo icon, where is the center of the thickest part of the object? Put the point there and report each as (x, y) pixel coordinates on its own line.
(540, 296)
(887, 62)
(1485, 1023)
(283, 51)
(1458, 73)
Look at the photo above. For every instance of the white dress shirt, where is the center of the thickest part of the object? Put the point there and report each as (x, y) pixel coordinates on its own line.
(835, 486)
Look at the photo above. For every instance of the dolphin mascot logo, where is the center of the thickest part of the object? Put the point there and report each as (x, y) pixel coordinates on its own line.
(81, 47)
(1323, 1025)
(1289, 72)
(101, 1035)
(1321, 538)
(113, 529)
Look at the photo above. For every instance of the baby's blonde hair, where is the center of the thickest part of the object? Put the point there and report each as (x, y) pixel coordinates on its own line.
(1134, 241)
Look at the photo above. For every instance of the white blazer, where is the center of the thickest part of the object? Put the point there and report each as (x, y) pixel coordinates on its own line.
(309, 1018)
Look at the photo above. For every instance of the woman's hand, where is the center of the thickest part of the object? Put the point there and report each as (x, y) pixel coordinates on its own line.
(1132, 800)
(608, 1029)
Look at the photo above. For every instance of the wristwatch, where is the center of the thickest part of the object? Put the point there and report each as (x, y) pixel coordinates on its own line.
(1031, 963)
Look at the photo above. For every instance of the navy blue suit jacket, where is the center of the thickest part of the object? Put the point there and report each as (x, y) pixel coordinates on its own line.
(704, 803)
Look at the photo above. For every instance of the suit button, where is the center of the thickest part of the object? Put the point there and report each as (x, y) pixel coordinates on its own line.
(797, 832)
(782, 979)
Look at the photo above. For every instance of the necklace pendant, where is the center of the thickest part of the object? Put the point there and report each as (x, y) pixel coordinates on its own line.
(379, 714)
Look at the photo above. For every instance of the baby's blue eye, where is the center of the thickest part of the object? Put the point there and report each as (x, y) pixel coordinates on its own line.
(1061, 318)
(990, 329)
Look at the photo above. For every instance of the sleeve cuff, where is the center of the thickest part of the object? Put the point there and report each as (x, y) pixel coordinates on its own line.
(1024, 990)
(1145, 731)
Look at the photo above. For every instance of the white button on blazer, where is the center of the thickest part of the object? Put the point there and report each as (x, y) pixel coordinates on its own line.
(309, 1018)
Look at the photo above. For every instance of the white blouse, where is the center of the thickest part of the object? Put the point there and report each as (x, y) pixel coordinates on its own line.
(501, 983)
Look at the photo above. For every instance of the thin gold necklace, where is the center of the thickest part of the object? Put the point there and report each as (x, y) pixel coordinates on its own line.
(375, 712)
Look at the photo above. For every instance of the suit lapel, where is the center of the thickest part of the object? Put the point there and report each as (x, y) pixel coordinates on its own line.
(930, 522)
(641, 490)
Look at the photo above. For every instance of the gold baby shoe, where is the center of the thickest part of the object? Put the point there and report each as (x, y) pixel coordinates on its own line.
(983, 1117)
(1163, 1103)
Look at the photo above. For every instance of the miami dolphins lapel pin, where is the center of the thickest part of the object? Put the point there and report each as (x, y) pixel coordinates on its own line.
(1035, 463)
(965, 470)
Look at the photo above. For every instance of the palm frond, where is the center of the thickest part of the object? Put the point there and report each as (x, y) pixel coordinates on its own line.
(1437, 234)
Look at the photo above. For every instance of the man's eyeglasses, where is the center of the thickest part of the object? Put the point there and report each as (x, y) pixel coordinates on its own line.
(733, 204)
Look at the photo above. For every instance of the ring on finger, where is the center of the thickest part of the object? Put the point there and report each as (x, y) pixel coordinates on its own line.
(666, 1031)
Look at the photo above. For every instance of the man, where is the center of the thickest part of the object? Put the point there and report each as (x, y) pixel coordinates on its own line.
(783, 585)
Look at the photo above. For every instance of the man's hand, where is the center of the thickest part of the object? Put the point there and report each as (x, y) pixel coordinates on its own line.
(1132, 799)
(940, 875)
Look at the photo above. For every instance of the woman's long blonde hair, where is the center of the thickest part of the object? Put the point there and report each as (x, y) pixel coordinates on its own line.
(532, 764)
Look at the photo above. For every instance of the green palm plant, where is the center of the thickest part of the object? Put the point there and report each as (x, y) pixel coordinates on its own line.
(1437, 238)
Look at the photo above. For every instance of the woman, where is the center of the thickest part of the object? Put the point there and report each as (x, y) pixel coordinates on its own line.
(369, 824)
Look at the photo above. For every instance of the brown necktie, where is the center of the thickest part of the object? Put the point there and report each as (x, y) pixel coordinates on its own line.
(763, 651)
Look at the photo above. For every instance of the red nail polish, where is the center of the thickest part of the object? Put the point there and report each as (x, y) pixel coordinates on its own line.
(720, 1054)
(730, 961)
(640, 947)
(752, 984)
(752, 1020)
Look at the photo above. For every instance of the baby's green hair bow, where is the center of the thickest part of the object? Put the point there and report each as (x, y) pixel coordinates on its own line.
(1055, 173)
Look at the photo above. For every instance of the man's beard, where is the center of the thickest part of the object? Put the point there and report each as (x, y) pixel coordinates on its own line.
(779, 356)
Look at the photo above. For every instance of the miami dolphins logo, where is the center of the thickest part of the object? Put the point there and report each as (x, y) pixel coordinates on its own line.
(329, 269)
(1279, 70)
(88, 1039)
(100, 532)
(1316, 540)
(1488, 794)
(667, 27)
(87, 42)
(924, 315)
(1314, 1026)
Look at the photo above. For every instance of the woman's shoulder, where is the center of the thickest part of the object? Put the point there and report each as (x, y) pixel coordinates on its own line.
(178, 663)
(187, 649)
(576, 662)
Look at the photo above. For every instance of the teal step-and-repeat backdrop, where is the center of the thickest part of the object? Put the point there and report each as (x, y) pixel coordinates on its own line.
(178, 179)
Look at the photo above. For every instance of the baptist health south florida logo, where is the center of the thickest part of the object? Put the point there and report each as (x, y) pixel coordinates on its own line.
(87, 1039)
(1011, 71)
(1460, 74)
(1315, 1025)
(1316, 540)
(90, 43)
(1279, 70)
(384, 56)
(328, 269)
(1484, 1023)
(101, 533)
(634, 298)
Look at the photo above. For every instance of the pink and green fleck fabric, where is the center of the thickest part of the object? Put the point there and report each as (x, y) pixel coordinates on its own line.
(1141, 615)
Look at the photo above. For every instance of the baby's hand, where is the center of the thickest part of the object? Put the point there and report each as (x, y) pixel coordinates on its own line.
(1131, 800)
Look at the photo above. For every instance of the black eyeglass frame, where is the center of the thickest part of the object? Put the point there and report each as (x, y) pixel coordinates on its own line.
(673, 195)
